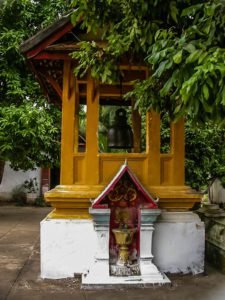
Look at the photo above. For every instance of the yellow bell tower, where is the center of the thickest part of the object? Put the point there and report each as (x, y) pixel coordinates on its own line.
(68, 240)
(84, 174)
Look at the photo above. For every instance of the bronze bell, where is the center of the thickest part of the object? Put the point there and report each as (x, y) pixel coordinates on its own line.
(120, 135)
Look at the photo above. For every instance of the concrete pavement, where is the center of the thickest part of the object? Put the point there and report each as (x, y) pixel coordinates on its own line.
(19, 269)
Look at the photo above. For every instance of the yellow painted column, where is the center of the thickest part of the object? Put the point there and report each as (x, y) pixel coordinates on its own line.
(91, 157)
(177, 140)
(76, 119)
(136, 125)
(153, 147)
(67, 135)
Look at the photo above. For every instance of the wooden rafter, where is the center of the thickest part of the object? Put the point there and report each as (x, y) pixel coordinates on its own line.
(52, 56)
(48, 41)
(54, 84)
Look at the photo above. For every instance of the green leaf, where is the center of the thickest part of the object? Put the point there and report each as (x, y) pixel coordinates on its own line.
(174, 11)
(166, 88)
(202, 57)
(190, 48)
(223, 96)
(177, 58)
(161, 68)
(209, 9)
(209, 82)
(191, 10)
(194, 56)
(208, 108)
(205, 91)
(177, 109)
(207, 27)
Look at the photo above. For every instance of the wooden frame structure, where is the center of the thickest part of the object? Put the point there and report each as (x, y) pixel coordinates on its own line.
(85, 174)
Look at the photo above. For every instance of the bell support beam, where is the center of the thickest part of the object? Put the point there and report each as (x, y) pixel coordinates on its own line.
(136, 124)
(178, 152)
(68, 112)
(153, 147)
(76, 121)
(92, 159)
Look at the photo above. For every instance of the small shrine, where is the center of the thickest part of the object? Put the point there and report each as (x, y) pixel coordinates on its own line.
(128, 213)
(92, 194)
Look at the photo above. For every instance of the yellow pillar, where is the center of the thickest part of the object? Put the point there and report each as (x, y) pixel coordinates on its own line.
(76, 120)
(177, 141)
(136, 125)
(67, 135)
(91, 157)
(153, 147)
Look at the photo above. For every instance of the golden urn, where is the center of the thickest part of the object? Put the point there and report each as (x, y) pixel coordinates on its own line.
(124, 238)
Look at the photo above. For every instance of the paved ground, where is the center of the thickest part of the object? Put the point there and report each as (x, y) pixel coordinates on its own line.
(19, 269)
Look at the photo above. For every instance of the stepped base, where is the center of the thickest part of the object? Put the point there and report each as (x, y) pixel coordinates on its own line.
(98, 277)
(69, 246)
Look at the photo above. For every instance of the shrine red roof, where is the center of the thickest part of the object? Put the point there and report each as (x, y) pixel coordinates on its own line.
(123, 170)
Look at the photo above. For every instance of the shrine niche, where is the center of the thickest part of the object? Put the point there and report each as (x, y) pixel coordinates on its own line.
(124, 239)
(125, 204)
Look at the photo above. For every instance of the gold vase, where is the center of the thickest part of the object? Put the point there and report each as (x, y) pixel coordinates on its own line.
(124, 237)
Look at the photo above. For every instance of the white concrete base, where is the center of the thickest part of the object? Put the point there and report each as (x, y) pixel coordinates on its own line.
(98, 277)
(69, 246)
(179, 243)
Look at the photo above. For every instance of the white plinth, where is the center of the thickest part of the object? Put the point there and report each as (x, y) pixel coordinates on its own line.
(67, 247)
(98, 277)
(179, 243)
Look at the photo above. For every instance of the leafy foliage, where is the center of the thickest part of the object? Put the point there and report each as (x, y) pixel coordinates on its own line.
(204, 149)
(29, 136)
(29, 129)
(19, 20)
(40, 202)
(31, 185)
(182, 41)
(205, 154)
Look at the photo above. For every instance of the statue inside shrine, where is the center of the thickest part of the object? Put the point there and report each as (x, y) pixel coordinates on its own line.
(124, 229)
(124, 214)
(125, 197)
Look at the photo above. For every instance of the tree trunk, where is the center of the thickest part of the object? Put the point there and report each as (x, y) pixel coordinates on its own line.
(2, 165)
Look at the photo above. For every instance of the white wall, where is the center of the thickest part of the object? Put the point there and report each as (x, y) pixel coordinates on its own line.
(12, 178)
